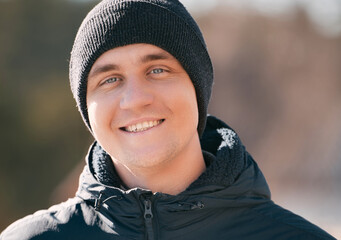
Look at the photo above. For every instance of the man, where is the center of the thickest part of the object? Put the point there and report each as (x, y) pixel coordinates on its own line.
(159, 167)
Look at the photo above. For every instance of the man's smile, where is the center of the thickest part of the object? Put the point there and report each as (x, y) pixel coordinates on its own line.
(142, 126)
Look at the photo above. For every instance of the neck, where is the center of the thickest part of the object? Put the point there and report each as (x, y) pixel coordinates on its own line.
(172, 177)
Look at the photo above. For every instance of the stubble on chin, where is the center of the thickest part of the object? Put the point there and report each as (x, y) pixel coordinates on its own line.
(146, 160)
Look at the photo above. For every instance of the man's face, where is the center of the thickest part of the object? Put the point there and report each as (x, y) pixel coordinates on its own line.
(142, 106)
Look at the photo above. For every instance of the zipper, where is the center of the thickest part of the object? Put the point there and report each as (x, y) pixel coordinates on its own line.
(148, 217)
(187, 206)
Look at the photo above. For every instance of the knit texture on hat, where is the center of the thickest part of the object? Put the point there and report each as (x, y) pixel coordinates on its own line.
(163, 23)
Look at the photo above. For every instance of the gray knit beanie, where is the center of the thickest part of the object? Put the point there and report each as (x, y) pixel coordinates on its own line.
(163, 23)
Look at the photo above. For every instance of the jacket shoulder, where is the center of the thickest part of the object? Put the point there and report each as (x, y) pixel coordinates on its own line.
(287, 223)
(53, 223)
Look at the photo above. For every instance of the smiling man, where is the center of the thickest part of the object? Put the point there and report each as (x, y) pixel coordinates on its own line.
(159, 168)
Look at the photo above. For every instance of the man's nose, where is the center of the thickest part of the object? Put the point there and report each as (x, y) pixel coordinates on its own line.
(137, 94)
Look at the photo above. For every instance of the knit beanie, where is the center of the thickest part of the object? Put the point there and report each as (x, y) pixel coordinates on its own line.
(163, 23)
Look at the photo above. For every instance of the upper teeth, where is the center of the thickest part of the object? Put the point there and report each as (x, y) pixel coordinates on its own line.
(142, 126)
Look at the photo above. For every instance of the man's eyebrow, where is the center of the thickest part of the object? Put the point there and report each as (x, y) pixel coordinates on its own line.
(155, 56)
(103, 68)
(146, 58)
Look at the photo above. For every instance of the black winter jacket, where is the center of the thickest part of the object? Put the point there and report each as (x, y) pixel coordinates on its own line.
(230, 200)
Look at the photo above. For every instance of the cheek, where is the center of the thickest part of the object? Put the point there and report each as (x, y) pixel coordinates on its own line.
(92, 109)
(192, 109)
(99, 111)
(186, 104)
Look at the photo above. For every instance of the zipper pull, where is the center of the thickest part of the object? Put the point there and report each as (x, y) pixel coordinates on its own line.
(148, 209)
(148, 216)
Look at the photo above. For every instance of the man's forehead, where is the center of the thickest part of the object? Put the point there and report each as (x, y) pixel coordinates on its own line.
(110, 60)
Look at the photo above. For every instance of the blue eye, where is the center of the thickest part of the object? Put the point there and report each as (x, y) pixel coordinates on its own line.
(157, 70)
(111, 80)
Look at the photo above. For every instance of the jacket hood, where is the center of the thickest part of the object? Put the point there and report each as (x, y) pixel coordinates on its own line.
(231, 174)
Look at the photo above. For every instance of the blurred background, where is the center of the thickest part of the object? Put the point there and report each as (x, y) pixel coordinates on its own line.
(277, 83)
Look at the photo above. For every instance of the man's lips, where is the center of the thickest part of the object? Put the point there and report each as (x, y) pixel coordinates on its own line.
(142, 126)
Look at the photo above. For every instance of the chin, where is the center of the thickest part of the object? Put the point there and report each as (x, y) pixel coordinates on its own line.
(147, 158)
